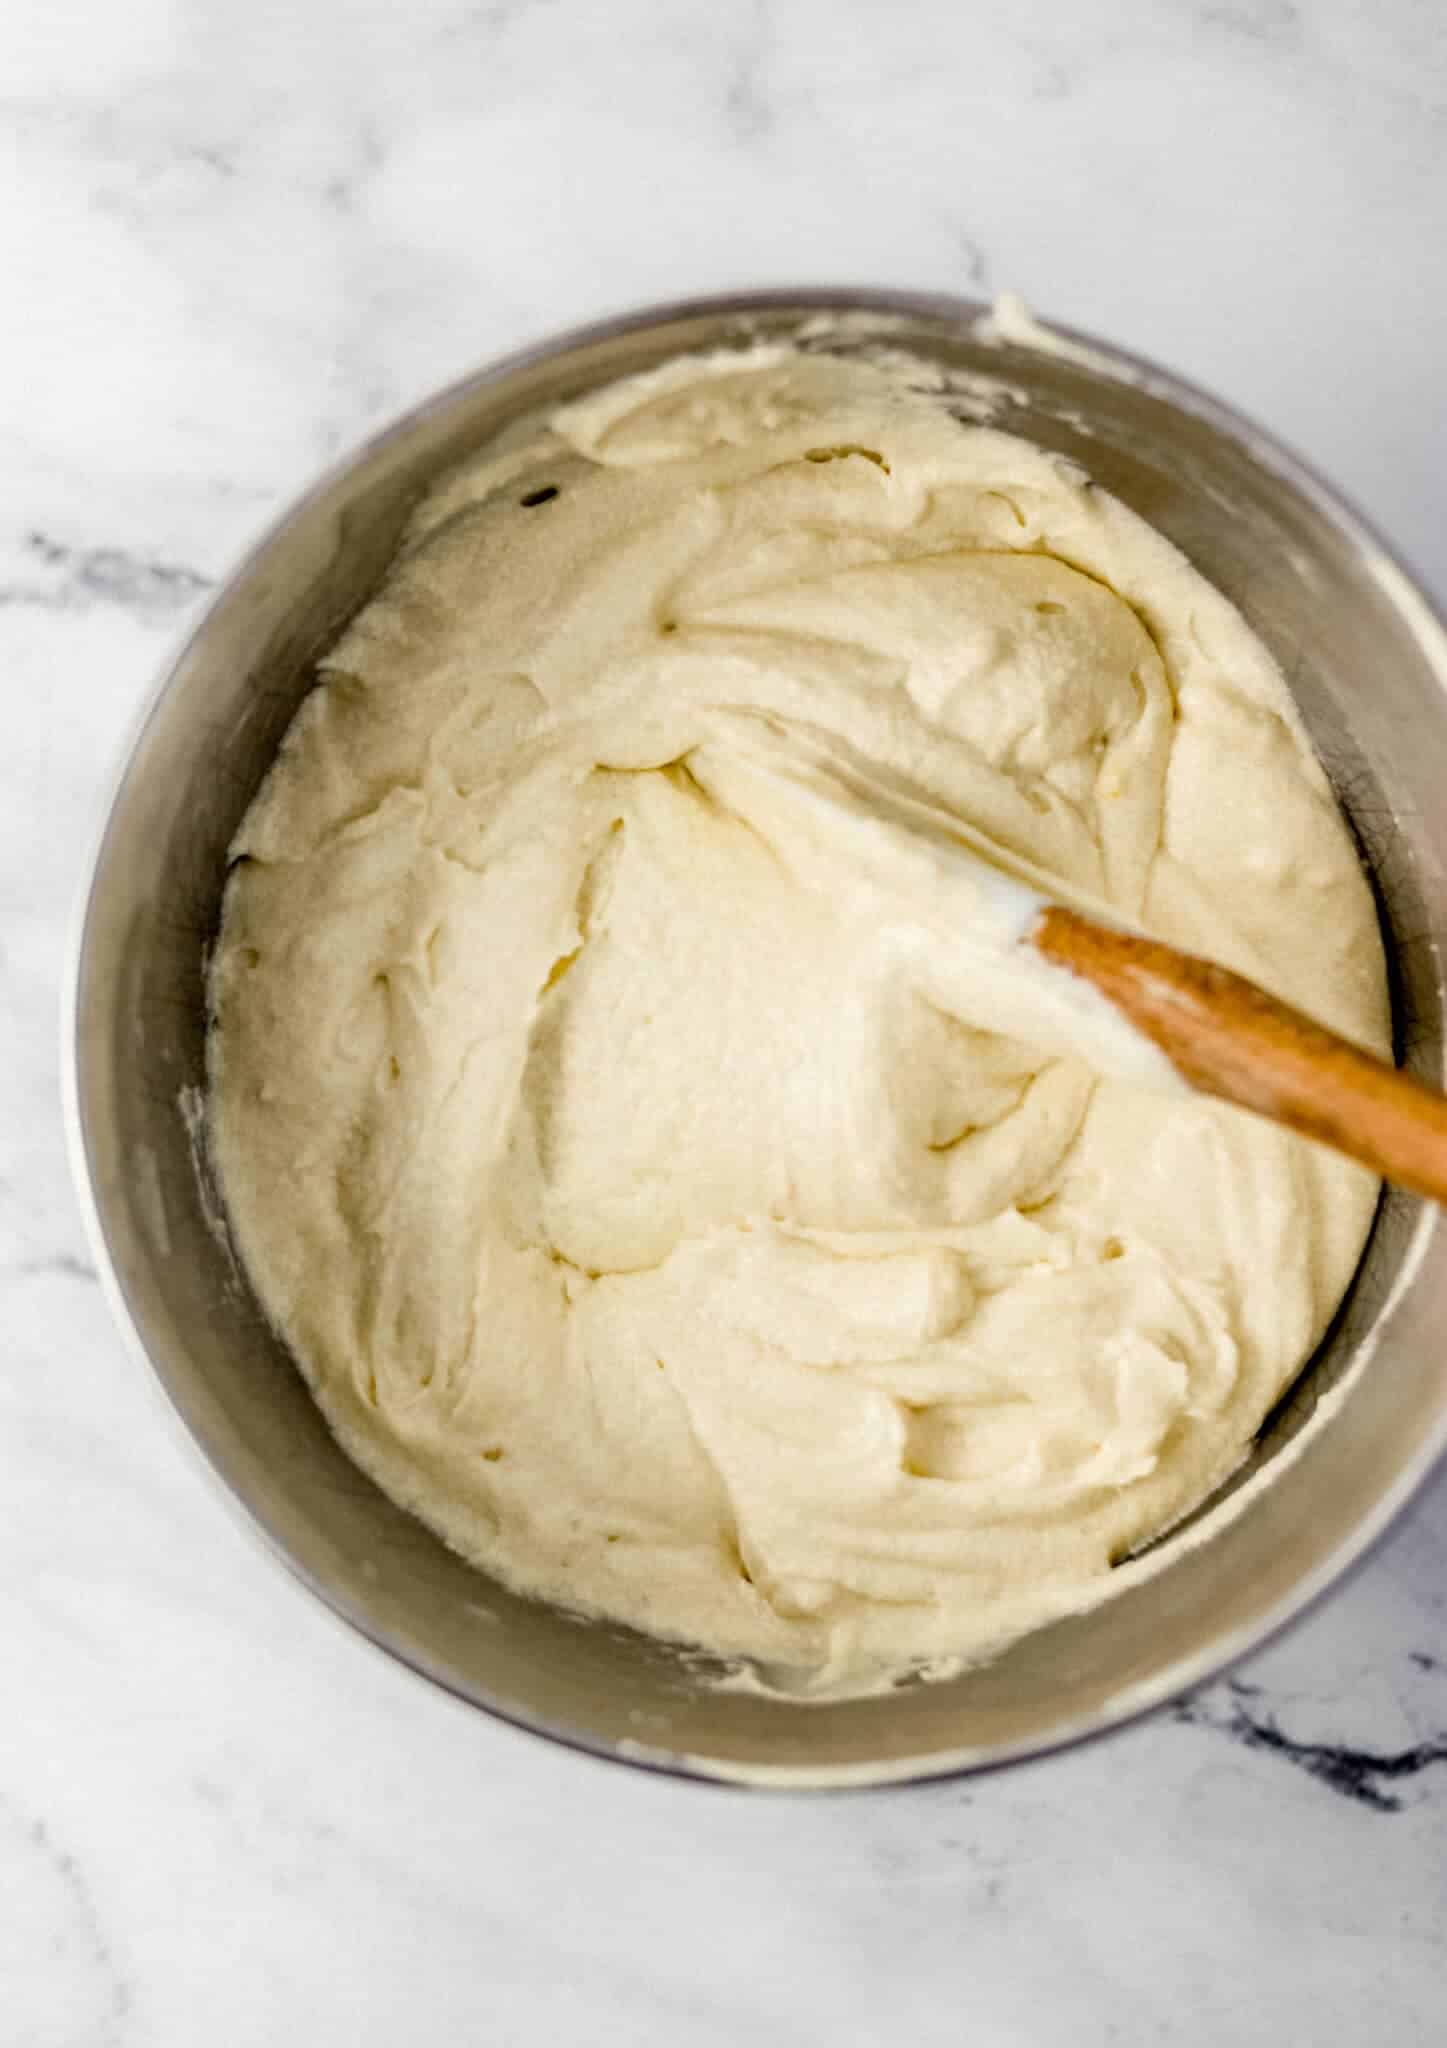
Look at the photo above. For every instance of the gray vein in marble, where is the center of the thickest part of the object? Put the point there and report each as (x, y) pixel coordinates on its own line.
(66, 578)
(344, 190)
(224, 162)
(974, 261)
(492, 16)
(1233, 1709)
(748, 105)
(65, 1265)
(1262, 21)
(1052, 80)
(69, 1924)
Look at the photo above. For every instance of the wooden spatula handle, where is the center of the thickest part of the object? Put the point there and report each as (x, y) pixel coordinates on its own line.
(1227, 1037)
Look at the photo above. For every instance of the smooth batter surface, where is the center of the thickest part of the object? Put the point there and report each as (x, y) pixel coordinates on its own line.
(666, 1210)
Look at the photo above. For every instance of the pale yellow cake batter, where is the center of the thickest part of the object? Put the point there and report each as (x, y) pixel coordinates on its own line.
(669, 1219)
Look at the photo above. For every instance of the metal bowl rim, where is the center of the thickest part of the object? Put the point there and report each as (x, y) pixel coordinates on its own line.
(1131, 1704)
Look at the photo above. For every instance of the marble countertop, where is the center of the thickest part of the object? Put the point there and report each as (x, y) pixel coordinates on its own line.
(234, 238)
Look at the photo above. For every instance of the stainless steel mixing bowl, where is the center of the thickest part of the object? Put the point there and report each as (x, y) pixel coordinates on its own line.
(1367, 660)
